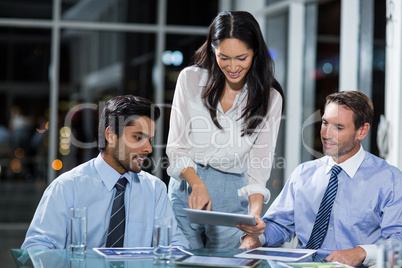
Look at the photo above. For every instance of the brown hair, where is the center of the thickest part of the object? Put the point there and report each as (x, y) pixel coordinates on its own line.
(358, 102)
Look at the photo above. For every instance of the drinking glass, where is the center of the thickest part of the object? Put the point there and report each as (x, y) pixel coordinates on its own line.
(163, 238)
(77, 240)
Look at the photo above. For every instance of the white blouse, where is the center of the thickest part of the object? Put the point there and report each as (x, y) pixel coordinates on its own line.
(194, 138)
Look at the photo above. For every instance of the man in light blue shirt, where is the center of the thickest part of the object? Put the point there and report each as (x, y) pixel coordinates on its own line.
(126, 127)
(368, 203)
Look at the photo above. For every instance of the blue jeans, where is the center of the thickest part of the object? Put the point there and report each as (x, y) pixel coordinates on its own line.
(222, 188)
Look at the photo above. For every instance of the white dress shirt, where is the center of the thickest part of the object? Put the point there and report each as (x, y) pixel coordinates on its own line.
(194, 138)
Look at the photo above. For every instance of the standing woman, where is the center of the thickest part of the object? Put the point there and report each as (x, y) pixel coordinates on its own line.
(223, 129)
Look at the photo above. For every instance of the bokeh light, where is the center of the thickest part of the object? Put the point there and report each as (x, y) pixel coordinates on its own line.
(57, 164)
(16, 165)
(19, 153)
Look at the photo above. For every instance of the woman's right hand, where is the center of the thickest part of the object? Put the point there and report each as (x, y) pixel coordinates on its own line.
(199, 197)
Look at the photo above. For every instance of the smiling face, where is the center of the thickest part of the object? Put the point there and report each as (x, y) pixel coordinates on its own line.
(128, 152)
(339, 137)
(234, 59)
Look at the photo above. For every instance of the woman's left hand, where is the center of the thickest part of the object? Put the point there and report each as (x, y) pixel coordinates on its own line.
(253, 230)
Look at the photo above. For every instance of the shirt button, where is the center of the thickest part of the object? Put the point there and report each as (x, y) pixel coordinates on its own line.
(330, 228)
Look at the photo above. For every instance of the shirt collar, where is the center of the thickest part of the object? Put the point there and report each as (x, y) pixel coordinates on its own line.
(351, 165)
(108, 174)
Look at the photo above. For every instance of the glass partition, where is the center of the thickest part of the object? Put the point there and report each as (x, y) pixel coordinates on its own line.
(24, 91)
(277, 41)
(191, 13)
(98, 65)
(26, 9)
(124, 11)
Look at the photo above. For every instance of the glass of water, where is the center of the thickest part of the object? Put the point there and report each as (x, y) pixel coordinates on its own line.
(77, 239)
(163, 238)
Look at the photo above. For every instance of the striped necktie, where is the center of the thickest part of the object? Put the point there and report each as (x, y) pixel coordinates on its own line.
(117, 224)
(324, 212)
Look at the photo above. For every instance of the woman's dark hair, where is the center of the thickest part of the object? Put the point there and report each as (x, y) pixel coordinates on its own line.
(360, 104)
(121, 111)
(260, 78)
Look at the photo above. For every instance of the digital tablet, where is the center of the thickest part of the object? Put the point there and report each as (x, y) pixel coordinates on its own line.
(137, 252)
(212, 261)
(277, 254)
(313, 265)
(218, 218)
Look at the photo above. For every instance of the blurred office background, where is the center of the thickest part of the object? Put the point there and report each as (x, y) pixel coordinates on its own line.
(60, 60)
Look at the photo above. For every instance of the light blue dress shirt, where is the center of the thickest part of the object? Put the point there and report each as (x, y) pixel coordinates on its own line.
(91, 185)
(367, 207)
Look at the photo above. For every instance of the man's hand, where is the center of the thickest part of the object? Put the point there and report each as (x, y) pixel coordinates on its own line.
(253, 230)
(250, 242)
(352, 257)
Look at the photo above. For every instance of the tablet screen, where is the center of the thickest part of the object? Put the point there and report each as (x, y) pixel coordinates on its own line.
(218, 218)
(277, 253)
(216, 261)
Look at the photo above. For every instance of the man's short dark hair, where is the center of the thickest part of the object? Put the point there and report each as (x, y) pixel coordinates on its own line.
(120, 112)
(360, 104)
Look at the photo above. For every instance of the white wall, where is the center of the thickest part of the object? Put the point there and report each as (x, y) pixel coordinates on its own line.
(393, 82)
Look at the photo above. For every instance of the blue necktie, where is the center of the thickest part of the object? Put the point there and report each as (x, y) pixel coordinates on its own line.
(324, 212)
(115, 236)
